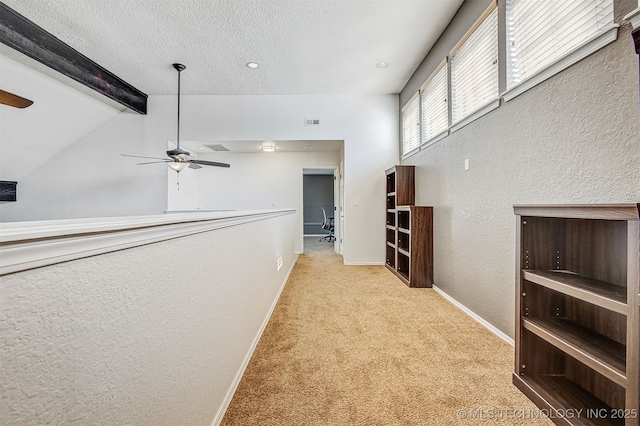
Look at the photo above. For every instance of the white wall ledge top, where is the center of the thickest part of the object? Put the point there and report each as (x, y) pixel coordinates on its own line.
(27, 245)
(21, 231)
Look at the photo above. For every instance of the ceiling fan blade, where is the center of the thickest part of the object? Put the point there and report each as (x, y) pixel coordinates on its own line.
(14, 100)
(209, 163)
(139, 156)
(195, 166)
(153, 162)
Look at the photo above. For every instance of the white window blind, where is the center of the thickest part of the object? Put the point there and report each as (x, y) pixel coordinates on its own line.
(411, 125)
(540, 32)
(474, 68)
(435, 108)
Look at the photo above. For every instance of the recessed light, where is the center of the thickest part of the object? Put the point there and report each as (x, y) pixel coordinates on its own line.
(382, 65)
(252, 65)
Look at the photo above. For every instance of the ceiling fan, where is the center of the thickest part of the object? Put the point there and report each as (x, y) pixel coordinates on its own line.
(179, 159)
(16, 101)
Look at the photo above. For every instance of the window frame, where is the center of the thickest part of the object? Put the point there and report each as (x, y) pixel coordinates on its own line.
(408, 105)
(444, 65)
(587, 47)
(494, 101)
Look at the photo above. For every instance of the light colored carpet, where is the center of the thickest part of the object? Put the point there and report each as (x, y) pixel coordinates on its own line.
(352, 345)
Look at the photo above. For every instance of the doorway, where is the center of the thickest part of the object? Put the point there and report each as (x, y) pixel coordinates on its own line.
(320, 199)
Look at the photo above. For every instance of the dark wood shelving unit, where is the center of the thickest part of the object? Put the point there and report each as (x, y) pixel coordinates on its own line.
(604, 355)
(612, 296)
(409, 250)
(556, 391)
(577, 310)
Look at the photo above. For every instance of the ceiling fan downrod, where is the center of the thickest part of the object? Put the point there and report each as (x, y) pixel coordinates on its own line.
(179, 159)
(179, 68)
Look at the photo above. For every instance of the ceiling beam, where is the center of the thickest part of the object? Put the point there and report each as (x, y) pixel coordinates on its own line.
(21, 34)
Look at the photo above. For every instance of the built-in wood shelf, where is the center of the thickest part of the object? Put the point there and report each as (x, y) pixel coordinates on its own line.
(577, 339)
(604, 355)
(552, 391)
(607, 295)
(406, 253)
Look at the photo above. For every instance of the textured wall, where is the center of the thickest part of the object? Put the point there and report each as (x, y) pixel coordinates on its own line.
(571, 139)
(368, 125)
(32, 136)
(253, 180)
(153, 335)
(91, 179)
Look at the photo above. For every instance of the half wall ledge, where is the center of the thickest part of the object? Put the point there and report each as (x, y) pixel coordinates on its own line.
(28, 245)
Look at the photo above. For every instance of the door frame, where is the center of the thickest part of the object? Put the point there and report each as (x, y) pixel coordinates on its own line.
(337, 207)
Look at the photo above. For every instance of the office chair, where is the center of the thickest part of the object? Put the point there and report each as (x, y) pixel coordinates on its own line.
(327, 223)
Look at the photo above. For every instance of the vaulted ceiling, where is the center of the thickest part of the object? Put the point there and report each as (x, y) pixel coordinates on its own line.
(301, 46)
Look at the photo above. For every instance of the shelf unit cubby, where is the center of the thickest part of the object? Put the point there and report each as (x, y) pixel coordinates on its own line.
(577, 310)
(409, 255)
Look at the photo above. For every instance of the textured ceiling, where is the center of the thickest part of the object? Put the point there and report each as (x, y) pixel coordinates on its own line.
(302, 46)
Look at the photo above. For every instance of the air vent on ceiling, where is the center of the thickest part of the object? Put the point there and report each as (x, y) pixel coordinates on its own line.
(217, 147)
(309, 122)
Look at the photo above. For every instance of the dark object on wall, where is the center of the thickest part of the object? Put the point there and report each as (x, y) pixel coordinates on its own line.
(8, 190)
(21, 34)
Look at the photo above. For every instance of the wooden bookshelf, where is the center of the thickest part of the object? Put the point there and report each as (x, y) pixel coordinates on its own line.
(577, 315)
(409, 230)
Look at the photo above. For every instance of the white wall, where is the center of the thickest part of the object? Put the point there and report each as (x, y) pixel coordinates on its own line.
(152, 335)
(91, 179)
(58, 117)
(64, 151)
(254, 181)
(367, 124)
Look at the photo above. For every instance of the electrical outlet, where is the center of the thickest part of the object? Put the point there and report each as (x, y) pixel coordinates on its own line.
(279, 263)
(466, 164)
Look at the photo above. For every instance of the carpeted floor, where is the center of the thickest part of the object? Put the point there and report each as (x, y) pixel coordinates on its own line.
(352, 345)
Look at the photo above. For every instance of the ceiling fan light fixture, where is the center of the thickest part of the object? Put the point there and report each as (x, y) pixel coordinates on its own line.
(178, 166)
(179, 159)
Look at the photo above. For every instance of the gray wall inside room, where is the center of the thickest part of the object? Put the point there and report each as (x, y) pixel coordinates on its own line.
(317, 192)
(571, 139)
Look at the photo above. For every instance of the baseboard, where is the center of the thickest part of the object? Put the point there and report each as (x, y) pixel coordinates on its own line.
(364, 263)
(475, 316)
(236, 381)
